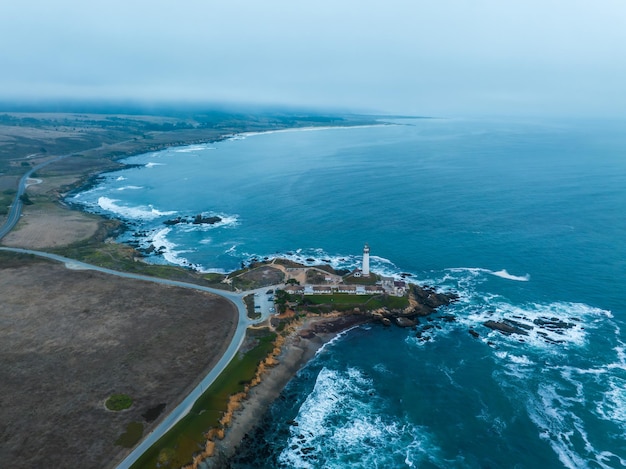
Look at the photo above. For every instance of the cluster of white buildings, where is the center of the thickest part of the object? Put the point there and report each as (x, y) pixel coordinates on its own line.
(330, 289)
(387, 285)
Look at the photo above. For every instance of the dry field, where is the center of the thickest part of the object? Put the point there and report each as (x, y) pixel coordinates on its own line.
(48, 225)
(69, 339)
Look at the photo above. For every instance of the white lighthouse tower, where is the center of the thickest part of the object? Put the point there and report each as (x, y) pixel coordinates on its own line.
(365, 271)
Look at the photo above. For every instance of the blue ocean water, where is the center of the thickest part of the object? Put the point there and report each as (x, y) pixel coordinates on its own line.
(525, 220)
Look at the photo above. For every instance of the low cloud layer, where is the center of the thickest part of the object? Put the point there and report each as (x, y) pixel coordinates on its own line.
(446, 57)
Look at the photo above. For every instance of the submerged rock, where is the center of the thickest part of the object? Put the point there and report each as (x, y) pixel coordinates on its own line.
(505, 328)
(553, 323)
(197, 220)
(201, 220)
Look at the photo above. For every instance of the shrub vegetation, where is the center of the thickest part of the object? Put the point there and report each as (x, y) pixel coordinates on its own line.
(117, 402)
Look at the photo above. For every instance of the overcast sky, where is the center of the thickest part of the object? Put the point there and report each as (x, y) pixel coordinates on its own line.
(426, 57)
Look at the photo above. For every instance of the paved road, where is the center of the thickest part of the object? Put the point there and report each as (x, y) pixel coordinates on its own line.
(16, 208)
(185, 406)
(236, 298)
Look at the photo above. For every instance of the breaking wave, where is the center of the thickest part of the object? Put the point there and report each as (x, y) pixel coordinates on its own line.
(339, 425)
(131, 213)
(504, 274)
(500, 273)
(193, 148)
(168, 249)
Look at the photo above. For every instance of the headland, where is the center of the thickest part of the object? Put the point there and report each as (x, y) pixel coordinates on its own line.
(82, 146)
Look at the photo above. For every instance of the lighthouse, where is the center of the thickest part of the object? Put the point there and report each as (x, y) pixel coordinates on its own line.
(365, 271)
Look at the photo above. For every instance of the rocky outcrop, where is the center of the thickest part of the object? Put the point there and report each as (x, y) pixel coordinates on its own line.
(505, 327)
(548, 329)
(405, 322)
(426, 299)
(423, 301)
(197, 220)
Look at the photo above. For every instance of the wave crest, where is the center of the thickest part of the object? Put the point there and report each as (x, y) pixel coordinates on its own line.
(131, 213)
(339, 425)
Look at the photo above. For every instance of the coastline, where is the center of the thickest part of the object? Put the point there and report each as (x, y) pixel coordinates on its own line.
(304, 339)
(301, 344)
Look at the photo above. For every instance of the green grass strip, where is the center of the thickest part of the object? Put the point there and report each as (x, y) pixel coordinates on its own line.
(177, 447)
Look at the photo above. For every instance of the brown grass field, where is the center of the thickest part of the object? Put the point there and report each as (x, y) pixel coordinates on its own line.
(69, 339)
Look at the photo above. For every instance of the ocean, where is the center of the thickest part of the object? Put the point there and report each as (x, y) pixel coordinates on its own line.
(525, 220)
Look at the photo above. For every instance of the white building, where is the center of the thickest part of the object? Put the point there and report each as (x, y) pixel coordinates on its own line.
(365, 271)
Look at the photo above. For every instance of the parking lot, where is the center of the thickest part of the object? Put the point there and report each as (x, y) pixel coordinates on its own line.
(264, 302)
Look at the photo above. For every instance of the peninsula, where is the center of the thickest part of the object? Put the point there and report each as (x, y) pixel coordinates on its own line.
(99, 343)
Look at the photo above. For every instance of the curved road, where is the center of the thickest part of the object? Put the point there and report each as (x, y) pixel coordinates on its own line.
(16, 208)
(185, 406)
(236, 298)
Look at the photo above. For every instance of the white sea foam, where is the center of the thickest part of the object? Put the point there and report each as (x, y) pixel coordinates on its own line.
(545, 325)
(558, 426)
(515, 359)
(227, 221)
(168, 251)
(338, 426)
(382, 369)
(80, 195)
(612, 407)
(120, 178)
(334, 339)
(504, 274)
(193, 148)
(152, 164)
(131, 213)
(497, 424)
(476, 271)
(561, 406)
(559, 416)
(129, 188)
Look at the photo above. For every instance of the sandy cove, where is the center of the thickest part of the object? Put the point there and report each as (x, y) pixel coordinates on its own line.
(302, 341)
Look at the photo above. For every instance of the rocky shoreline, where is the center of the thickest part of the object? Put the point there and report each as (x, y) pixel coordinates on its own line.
(423, 301)
(303, 339)
(300, 345)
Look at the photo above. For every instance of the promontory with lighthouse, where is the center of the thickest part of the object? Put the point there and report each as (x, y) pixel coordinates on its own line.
(322, 289)
(170, 351)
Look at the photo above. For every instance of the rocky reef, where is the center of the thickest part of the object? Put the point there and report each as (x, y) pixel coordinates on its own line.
(423, 301)
(549, 329)
(194, 220)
